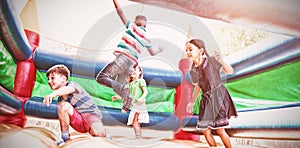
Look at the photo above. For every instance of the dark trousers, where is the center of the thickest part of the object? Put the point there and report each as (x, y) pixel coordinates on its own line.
(115, 75)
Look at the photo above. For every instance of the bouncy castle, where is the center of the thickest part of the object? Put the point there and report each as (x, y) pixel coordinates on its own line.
(264, 85)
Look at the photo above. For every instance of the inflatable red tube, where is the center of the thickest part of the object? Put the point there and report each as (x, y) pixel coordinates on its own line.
(24, 80)
(183, 96)
(26, 71)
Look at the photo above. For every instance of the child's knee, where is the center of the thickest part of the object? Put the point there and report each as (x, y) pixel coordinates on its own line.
(98, 130)
(207, 131)
(220, 131)
(63, 106)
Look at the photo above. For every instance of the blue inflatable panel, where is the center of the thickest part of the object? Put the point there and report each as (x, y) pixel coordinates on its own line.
(262, 61)
(111, 116)
(281, 117)
(8, 103)
(157, 121)
(86, 68)
(265, 60)
(38, 109)
(12, 33)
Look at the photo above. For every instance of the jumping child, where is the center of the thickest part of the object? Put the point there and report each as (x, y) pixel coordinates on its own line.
(132, 43)
(216, 105)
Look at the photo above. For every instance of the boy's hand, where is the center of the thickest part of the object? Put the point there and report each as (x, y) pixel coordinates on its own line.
(155, 51)
(48, 99)
(114, 98)
(160, 49)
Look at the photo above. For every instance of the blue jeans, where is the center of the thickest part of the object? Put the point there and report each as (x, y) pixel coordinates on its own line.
(120, 69)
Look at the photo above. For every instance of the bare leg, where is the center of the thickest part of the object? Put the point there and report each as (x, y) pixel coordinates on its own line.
(224, 136)
(98, 130)
(209, 137)
(65, 111)
(137, 126)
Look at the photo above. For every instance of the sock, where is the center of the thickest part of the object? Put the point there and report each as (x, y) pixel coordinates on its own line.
(65, 135)
(138, 132)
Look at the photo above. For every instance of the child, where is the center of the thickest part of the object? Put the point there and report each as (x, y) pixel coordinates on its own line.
(216, 105)
(75, 106)
(132, 42)
(138, 90)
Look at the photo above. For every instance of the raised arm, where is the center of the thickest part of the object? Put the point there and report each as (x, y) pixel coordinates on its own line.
(120, 12)
(225, 66)
(154, 52)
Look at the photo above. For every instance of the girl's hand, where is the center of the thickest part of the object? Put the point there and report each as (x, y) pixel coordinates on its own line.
(225, 67)
(140, 101)
(218, 57)
(190, 107)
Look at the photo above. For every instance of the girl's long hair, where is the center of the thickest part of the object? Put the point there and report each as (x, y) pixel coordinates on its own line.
(200, 44)
(141, 74)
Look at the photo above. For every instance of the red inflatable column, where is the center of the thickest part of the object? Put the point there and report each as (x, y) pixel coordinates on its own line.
(24, 80)
(26, 71)
(183, 96)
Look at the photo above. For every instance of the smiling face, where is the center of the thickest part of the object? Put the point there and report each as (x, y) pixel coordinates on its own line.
(57, 76)
(136, 73)
(56, 81)
(193, 52)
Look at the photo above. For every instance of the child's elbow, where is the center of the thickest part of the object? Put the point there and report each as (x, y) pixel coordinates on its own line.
(146, 93)
(230, 71)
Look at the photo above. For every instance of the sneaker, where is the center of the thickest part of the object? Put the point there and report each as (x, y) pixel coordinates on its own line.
(127, 103)
(59, 141)
(124, 91)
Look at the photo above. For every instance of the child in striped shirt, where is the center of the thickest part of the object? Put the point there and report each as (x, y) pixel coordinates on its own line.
(127, 53)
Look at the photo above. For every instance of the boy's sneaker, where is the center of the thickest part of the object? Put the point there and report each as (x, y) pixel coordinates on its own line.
(59, 141)
(127, 103)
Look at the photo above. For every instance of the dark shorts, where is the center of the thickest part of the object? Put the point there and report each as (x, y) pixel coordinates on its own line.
(83, 122)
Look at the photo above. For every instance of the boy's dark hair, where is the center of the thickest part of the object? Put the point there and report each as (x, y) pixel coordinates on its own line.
(141, 17)
(59, 69)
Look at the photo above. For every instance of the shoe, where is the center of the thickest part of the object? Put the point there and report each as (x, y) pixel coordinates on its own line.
(124, 91)
(127, 103)
(59, 141)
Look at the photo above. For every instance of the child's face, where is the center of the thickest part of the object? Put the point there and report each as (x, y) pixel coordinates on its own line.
(136, 73)
(56, 81)
(192, 51)
(140, 22)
